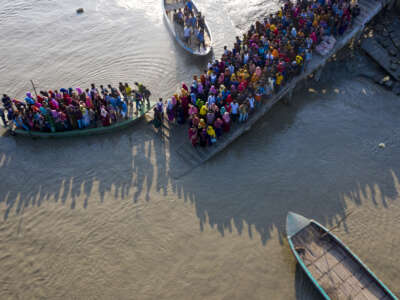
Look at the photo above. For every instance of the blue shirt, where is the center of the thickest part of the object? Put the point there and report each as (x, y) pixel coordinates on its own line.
(200, 36)
(190, 5)
(124, 107)
(193, 98)
(113, 102)
(225, 94)
(261, 90)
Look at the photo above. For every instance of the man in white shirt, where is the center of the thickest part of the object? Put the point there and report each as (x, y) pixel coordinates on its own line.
(234, 110)
(187, 31)
(211, 99)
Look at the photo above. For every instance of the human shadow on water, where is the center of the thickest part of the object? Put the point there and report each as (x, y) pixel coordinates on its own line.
(34, 171)
(318, 157)
(306, 157)
(313, 157)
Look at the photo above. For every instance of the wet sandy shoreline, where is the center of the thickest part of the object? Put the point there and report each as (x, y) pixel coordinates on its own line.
(102, 218)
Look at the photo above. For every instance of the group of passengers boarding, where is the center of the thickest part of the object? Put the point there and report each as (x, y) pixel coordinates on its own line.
(193, 24)
(72, 109)
(268, 56)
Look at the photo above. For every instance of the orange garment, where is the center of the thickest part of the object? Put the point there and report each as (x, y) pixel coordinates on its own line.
(254, 78)
(275, 53)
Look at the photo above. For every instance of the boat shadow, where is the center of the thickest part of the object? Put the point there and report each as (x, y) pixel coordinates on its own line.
(139, 157)
(246, 189)
(304, 288)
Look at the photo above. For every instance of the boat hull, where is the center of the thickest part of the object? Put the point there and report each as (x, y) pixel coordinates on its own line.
(83, 132)
(332, 267)
(173, 31)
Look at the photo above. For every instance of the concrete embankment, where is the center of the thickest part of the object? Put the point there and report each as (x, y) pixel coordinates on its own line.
(382, 44)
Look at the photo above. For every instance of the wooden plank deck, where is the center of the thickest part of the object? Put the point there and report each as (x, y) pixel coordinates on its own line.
(334, 268)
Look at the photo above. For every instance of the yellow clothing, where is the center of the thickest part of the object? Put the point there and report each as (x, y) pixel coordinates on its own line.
(128, 91)
(203, 110)
(254, 78)
(299, 60)
(279, 79)
(211, 132)
(202, 124)
(184, 92)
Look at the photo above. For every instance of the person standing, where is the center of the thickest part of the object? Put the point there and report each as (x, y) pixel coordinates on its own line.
(146, 96)
(121, 88)
(128, 92)
(243, 112)
(187, 34)
(160, 106)
(138, 100)
(3, 117)
(6, 101)
(234, 110)
(200, 36)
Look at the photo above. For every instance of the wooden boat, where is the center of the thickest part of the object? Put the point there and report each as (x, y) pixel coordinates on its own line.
(84, 132)
(192, 46)
(332, 267)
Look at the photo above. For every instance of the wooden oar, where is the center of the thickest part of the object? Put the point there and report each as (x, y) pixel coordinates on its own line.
(337, 225)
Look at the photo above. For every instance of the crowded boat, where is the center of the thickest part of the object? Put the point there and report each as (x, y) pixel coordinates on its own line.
(263, 60)
(266, 58)
(188, 25)
(74, 109)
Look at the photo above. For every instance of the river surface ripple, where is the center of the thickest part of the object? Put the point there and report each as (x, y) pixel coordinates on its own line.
(100, 217)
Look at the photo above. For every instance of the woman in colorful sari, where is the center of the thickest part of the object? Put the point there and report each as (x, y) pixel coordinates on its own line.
(193, 136)
(211, 135)
(227, 122)
(170, 110)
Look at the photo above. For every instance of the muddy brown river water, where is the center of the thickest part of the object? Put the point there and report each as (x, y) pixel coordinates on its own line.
(101, 217)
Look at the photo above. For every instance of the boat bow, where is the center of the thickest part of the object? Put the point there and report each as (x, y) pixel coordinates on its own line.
(295, 223)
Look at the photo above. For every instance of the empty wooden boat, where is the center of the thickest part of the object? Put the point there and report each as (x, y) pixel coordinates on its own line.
(192, 45)
(332, 267)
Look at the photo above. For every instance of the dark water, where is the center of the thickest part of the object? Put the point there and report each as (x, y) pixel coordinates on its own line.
(100, 217)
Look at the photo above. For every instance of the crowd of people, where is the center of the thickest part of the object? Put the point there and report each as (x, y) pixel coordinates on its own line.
(269, 55)
(70, 109)
(193, 24)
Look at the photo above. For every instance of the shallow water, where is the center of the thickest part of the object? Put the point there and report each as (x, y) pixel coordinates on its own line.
(101, 218)
(114, 40)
